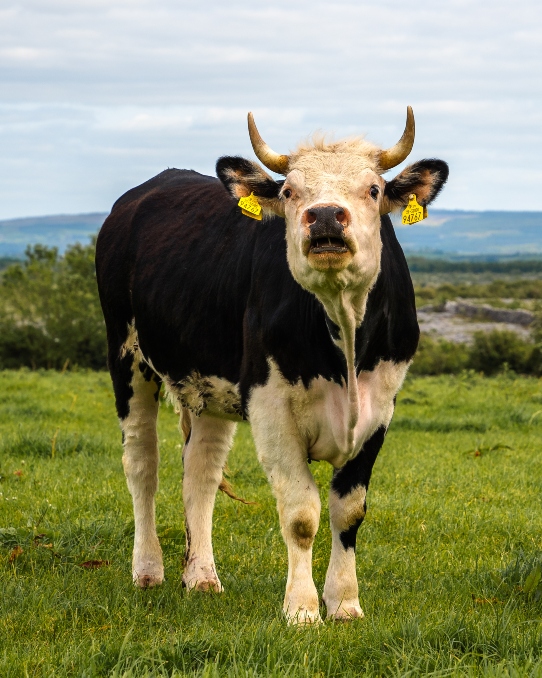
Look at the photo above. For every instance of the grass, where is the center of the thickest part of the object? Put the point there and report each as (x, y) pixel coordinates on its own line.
(447, 558)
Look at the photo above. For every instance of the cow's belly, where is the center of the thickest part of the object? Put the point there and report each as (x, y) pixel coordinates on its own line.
(198, 393)
(321, 411)
(214, 396)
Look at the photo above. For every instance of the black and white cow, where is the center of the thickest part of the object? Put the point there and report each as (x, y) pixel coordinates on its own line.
(303, 324)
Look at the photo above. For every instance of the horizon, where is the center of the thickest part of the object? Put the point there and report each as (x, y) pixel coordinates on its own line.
(394, 214)
(444, 233)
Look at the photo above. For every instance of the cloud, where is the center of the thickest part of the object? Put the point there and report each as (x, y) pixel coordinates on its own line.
(107, 92)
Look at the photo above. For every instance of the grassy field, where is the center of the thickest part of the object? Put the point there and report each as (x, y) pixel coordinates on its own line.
(448, 557)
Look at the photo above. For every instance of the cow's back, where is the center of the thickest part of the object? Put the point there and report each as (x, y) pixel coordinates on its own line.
(175, 256)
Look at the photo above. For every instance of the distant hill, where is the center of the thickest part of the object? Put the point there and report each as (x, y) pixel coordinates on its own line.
(445, 233)
(56, 231)
(448, 232)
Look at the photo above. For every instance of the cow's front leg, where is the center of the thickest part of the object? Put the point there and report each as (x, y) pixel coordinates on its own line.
(284, 458)
(298, 504)
(347, 510)
(204, 457)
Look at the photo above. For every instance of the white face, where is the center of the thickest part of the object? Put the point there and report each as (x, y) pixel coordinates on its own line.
(333, 227)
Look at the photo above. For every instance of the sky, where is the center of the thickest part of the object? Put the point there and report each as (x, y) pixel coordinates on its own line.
(98, 96)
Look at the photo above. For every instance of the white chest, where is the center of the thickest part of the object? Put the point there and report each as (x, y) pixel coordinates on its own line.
(321, 412)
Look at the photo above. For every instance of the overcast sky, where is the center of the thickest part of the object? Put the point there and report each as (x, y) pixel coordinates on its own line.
(100, 95)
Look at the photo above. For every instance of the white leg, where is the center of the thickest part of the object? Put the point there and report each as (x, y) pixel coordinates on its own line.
(140, 462)
(341, 587)
(204, 458)
(299, 523)
(283, 455)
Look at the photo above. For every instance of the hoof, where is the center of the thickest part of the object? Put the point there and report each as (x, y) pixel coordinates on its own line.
(147, 580)
(344, 612)
(147, 567)
(201, 577)
(205, 585)
(303, 617)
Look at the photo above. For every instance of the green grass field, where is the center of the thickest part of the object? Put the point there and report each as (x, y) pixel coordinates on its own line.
(449, 555)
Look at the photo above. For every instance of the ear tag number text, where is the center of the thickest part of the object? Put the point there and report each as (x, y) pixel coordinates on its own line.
(251, 207)
(413, 212)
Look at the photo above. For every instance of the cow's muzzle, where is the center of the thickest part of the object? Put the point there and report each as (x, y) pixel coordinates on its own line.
(326, 229)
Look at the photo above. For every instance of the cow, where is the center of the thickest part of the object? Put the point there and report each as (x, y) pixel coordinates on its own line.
(302, 323)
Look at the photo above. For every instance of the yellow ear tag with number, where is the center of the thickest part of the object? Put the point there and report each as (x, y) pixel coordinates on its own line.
(413, 212)
(251, 207)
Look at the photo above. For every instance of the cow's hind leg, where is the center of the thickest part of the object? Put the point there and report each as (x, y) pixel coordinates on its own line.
(136, 392)
(346, 510)
(209, 440)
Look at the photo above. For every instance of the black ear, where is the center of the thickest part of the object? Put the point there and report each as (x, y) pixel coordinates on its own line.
(242, 177)
(425, 178)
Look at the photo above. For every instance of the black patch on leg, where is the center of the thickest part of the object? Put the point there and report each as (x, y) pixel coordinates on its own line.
(357, 473)
(150, 375)
(121, 376)
(145, 371)
(157, 392)
(348, 537)
(158, 383)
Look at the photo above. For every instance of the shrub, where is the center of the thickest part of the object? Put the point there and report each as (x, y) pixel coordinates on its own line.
(493, 351)
(50, 313)
(490, 353)
(438, 356)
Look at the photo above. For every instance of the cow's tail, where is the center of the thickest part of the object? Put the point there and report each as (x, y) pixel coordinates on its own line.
(225, 486)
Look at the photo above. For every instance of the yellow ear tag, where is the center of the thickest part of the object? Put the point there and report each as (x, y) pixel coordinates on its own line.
(413, 212)
(251, 207)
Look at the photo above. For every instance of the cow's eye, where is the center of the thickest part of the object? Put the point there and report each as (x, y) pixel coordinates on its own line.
(287, 193)
(374, 191)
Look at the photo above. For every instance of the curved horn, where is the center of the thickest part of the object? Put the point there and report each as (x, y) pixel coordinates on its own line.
(396, 154)
(273, 161)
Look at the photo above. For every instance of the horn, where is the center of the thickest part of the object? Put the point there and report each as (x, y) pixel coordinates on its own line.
(273, 161)
(396, 154)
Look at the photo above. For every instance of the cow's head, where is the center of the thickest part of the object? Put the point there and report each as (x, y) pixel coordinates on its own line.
(332, 198)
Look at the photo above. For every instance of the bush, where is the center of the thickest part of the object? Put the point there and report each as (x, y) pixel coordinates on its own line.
(50, 314)
(493, 351)
(438, 356)
(490, 353)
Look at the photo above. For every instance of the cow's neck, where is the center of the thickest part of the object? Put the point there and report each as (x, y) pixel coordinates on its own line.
(346, 308)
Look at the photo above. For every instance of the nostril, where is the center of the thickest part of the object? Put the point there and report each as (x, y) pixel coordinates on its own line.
(311, 217)
(340, 215)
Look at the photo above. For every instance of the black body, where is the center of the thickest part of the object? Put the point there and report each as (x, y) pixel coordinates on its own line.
(210, 290)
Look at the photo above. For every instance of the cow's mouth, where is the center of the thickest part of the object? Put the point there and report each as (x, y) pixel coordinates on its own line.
(327, 244)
